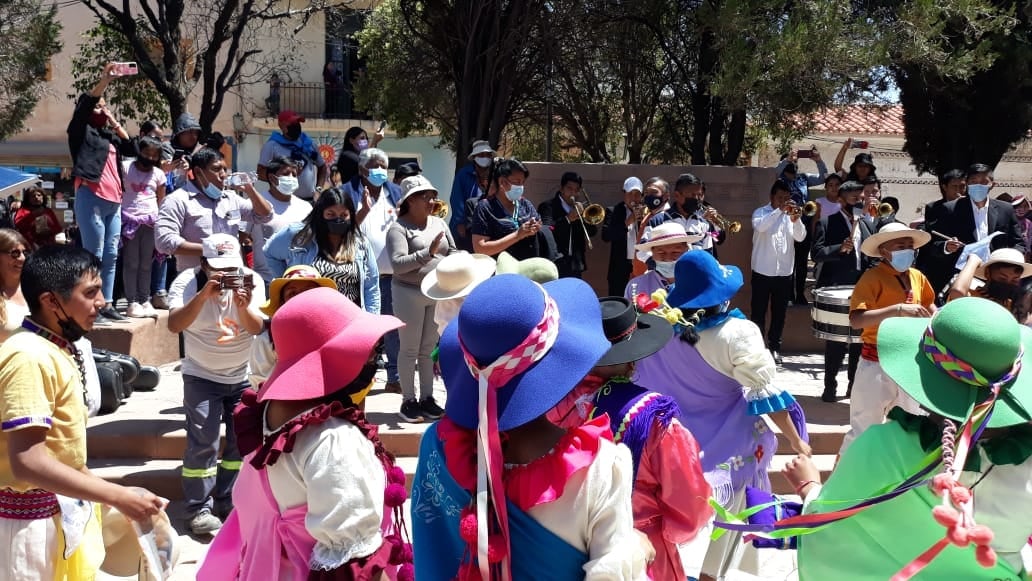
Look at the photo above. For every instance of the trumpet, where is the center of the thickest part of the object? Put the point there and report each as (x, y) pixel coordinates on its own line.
(592, 214)
(885, 210)
(729, 226)
(808, 209)
(440, 209)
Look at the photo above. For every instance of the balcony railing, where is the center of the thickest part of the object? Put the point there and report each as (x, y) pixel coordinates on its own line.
(313, 100)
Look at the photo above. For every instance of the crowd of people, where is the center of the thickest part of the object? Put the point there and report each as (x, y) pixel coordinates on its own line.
(622, 437)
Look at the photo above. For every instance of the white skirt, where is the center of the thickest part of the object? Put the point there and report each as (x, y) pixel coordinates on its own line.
(27, 549)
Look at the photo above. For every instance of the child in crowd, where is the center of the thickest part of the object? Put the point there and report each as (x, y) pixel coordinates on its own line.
(144, 190)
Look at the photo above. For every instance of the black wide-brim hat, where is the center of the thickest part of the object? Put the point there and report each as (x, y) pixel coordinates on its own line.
(634, 337)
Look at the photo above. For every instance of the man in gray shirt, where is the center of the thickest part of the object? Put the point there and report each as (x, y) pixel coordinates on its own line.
(201, 208)
(294, 144)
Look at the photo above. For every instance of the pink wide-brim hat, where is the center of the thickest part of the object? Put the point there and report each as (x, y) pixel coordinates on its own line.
(323, 340)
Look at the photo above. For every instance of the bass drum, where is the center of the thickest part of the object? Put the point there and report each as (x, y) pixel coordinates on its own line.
(830, 314)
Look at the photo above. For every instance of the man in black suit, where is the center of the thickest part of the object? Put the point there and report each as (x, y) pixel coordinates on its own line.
(690, 209)
(936, 265)
(977, 216)
(620, 230)
(836, 250)
(562, 214)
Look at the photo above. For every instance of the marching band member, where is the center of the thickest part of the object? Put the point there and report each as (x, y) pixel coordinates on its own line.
(999, 278)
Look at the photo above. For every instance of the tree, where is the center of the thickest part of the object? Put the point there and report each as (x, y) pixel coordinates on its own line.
(964, 85)
(136, 97)
(213, 43)
(31, 37)
(465, 66)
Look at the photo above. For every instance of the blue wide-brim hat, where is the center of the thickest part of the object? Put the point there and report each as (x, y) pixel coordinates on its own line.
(702, 282)
(498, 316)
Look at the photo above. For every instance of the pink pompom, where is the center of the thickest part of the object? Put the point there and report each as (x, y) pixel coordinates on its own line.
(946, 516)
(407, 572)
(394, 495)
(496, 550)
(407, 556)
(941, 483)
(986, 556)
(397, 550)
(396, 475)
(960, 495)
(980, 535)
(958, 535)
(468, 528)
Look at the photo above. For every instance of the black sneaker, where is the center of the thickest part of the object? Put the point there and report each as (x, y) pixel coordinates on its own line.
(431, 409)
(412, 412)
(111, 314)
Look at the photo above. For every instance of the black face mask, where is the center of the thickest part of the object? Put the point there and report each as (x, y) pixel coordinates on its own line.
(690, 206)
(858, 207)
(70, 330)
(293, 131)
(1002, 291)
(340, 226)
(653, 202)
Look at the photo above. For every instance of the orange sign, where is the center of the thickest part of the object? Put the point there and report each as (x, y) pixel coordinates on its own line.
(328, 153)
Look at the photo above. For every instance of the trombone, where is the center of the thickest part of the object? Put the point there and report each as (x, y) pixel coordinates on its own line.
(593, 214)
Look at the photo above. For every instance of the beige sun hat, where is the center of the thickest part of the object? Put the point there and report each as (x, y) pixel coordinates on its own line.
(668, 233)
(892, 231)
(124, 548)
(480, 146)
(456, 275)
(1005, 256)
(414, 185)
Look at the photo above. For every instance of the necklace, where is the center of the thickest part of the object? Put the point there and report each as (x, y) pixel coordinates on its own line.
(64, 344)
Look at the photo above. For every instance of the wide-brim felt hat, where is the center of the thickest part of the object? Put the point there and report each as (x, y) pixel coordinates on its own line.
(633, 336)
(323, 340)
(296, 273)
(1009, 256)
(536, 268)
(701, 282)
(892, 231)
(497, 317)
(977, 332)
(456, 275)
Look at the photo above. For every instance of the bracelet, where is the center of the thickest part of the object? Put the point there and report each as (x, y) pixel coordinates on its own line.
(804, 484)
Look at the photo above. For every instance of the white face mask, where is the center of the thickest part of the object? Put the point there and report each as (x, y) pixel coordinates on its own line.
(286, 185)
(666, 268)
(482, 161)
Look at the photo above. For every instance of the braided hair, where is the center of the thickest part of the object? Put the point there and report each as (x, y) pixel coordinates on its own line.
(688, 333)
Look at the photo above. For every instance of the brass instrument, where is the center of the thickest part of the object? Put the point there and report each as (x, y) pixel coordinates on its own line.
(729, 226)
(593, 214)
(885, 210)
(810, 209)
(440, 209)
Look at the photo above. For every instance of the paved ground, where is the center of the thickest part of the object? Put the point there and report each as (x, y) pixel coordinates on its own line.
(801, 374)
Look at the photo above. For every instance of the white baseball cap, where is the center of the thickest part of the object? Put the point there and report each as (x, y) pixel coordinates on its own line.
(632, 183)
(222, 251)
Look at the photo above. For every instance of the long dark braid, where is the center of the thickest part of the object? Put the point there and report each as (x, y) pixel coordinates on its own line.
(688, 333)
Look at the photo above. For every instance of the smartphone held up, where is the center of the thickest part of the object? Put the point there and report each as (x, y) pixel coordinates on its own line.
(126, 69)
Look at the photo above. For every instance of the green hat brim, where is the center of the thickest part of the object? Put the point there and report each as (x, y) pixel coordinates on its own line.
(902, 358)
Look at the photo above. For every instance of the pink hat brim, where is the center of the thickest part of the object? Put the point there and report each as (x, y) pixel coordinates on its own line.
(332, 366)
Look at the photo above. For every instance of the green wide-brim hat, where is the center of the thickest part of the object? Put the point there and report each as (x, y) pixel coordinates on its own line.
(976, 331)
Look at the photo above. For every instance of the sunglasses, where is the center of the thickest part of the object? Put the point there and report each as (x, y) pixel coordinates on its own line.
(18, 253)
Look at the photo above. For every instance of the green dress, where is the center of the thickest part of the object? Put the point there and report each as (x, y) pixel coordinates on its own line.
(875, 544)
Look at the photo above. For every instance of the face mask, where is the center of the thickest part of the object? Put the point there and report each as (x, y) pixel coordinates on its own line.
(690, 206)
(293, 131)
(377, 176)
(902, 259)
(286, 185)
(514, 193)
(653, 202)
(340, 226)
(1002, 291)
(98, 120)
(482, 161)
(362, 144)
(978, 192)
(70, 330)
(212, 191)
(666, 268)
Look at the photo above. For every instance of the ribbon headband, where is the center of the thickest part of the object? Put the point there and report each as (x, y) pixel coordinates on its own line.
(948, 362)
(519, 358)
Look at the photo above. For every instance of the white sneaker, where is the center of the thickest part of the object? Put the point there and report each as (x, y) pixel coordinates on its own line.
(136, 311)
(148, 310)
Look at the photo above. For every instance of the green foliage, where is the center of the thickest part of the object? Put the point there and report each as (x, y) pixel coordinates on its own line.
(31, 36)
(132, 98)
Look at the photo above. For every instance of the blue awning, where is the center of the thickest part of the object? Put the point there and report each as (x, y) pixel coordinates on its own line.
(13, 179)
